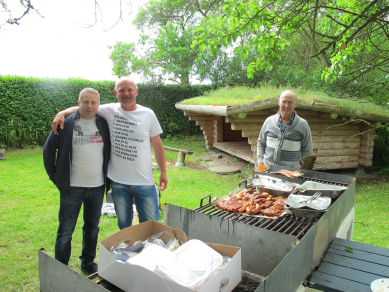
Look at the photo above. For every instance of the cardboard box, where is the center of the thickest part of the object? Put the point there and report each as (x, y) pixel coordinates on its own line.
(136, 278)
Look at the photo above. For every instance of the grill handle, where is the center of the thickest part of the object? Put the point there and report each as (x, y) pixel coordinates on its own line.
(243, 181)
(209, 200)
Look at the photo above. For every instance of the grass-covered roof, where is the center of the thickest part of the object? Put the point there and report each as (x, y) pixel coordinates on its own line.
(246, 99)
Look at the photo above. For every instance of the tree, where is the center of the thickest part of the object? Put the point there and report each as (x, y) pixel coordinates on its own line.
(122, 54)
(350, 38)
(25, 7)
(167, 32)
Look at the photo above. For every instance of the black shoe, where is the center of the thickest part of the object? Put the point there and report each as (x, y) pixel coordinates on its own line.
(90, 269)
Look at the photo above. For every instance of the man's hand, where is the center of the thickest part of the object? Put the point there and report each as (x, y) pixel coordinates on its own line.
(58, 120)
(162, 182)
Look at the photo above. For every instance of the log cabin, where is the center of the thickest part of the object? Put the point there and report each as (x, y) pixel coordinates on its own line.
(235, 129)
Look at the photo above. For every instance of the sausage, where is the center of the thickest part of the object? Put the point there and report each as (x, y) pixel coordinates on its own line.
(256, 210)
(249, 208)
(257, 201)
(243, 208)
(263, 195)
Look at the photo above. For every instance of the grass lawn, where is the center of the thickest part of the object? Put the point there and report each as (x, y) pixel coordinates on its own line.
(30, 203)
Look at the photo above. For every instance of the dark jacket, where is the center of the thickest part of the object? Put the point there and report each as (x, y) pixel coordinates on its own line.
(57, 152)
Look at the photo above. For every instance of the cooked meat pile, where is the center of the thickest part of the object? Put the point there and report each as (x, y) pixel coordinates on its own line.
(254, 203)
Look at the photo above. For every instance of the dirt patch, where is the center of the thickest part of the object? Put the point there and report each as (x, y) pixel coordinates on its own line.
(216, 157)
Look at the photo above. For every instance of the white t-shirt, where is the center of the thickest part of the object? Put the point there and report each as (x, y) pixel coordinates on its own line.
(130, 132)
(87, 156)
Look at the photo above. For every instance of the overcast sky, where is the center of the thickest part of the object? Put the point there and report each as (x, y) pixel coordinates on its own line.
(57, 46)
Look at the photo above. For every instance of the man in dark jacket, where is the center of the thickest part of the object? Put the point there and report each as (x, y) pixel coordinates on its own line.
(76, 161)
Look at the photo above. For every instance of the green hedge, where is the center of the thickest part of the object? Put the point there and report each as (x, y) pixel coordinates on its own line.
(28, 105)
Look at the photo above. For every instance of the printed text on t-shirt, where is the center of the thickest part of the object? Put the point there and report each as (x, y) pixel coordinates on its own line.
(122, 134)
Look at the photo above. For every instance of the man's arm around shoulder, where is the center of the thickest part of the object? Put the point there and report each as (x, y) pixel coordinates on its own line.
(60, 118)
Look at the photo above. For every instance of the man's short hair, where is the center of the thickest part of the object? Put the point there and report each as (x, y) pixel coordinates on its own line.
(124, 78)
(88, 89)
(288, 93)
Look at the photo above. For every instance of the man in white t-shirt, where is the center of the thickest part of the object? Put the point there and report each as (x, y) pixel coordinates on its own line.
(76, 161)
(134, 130)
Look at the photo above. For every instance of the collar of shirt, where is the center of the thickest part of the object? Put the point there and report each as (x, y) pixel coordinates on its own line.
(282, 126)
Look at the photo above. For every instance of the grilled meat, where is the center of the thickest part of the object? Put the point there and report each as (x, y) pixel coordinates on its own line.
(253, 203)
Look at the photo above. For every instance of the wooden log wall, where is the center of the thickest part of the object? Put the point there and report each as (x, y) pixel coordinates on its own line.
(206, 123)
(218, 129)
(334, 147)
(366, 148)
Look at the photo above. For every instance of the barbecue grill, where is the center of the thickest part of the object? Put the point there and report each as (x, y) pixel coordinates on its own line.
(284, 251)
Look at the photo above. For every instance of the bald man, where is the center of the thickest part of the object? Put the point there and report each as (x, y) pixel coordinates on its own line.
(285, 138)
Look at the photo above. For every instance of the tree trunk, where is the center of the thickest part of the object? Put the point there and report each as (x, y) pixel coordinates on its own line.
(184, 78)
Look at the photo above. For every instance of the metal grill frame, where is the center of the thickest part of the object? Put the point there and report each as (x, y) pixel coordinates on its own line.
(283, 259)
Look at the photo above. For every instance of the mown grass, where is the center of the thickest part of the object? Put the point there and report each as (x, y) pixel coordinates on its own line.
(372, 213)
(243, 94)
(30, 202)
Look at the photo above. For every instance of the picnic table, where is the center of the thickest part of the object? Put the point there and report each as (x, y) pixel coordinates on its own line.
(343, 270)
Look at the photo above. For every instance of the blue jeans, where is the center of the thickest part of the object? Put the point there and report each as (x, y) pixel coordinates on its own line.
(69, 210)
(146, 200)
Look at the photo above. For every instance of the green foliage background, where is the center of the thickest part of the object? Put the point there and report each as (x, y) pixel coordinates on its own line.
(28, 105)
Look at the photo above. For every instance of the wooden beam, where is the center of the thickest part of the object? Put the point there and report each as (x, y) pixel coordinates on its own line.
(366, 149)
(208, 133)
(253, 140)
(335, 132)
(336, 145)
(209, 142)
(187, 113)
(203, 109)
(337, 159)
(367, 156)
(337, 152)
(313, 119)
(365, 162)
(330, 139)
(206, 127)
(202, 117)
(265, 112)
(204, 123)
(248, 119)
(250, 133)
(322, 166)
(323, 126)
(305, 112)
(246, 126)
(368, 136)
(178, 150)
(367, 142)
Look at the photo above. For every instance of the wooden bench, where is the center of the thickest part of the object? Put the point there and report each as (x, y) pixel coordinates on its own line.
(345, 271)
(181, 155)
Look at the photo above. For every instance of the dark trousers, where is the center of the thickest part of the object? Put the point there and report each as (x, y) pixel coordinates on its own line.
(69, 210)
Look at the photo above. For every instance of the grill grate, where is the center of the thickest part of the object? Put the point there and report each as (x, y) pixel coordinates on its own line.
(287, 224)
(334, 183)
